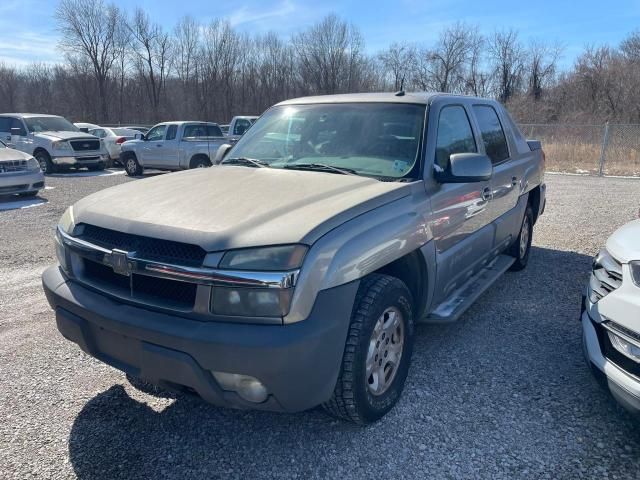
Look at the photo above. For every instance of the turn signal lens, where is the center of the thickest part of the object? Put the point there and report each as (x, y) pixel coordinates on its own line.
(626, 348)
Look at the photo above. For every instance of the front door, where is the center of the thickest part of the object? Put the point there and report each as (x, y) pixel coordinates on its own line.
(152, 149)
(460, 218)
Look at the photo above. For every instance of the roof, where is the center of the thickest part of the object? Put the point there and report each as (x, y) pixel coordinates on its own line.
(420, 98)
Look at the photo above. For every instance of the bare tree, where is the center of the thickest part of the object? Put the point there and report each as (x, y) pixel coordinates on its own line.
(88, 29)
(9, 88)
(398, 62)
(508, 57)
(329, 55)
(153, 49)
(541, 66)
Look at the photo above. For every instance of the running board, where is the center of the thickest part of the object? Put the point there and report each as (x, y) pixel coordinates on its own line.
(462, 298)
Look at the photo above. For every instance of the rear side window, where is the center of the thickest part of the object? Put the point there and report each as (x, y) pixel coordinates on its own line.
(171, 132)
(495, 142)
(214, 131)
(454, 135)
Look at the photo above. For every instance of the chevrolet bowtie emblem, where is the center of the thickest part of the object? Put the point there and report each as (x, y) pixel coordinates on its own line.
(120, 262)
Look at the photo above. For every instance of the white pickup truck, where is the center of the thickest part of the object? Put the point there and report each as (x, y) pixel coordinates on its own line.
(239, 125)
(53, 141)
(173, 146)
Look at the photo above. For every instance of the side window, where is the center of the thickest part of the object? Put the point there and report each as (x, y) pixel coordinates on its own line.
(194, 131)
(495, 142)
(241, 126)
(214, 131)
(15, 123)
(156, 133)
(5, 125)
(171, 132)
(454, 135)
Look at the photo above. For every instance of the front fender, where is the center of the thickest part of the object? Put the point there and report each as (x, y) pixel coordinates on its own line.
(359, 247)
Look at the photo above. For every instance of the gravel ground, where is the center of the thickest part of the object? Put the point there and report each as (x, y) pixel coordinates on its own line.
(503, 393)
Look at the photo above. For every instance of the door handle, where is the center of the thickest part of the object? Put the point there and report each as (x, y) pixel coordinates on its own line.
(514, 181)
(486, 194)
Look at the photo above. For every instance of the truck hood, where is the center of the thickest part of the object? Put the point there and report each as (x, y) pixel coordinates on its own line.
(624, 244)
(53, 136)
(8, 154)
(227, 207)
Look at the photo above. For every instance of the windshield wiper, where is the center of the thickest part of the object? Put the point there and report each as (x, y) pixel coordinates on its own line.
(250, 162)
(321, 167)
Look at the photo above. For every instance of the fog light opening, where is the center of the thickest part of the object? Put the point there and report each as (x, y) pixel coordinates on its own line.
(625, 347)
(248, 388)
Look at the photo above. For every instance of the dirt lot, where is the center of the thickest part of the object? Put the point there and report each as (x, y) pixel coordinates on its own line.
(503, 393)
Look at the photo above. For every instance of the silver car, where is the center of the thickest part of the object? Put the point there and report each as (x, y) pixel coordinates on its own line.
(19, 173)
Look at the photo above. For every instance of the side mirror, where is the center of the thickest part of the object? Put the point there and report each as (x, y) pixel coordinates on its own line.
(466, 168)
(139, 136)
(221, 153)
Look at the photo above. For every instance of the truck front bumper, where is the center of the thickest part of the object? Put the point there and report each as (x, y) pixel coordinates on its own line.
(21, 182)
(624, 386)
(86, 160)
(298, 363)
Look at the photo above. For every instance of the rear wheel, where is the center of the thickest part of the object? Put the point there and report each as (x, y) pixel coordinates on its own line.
(46, 165)
(378, 351)
(521, 248)
(131, 166)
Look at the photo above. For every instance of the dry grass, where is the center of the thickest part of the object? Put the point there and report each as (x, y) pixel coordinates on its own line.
(585, 158)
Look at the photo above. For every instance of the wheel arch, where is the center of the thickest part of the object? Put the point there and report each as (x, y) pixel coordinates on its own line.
(197, 156)
(534, 201)
(39, 150)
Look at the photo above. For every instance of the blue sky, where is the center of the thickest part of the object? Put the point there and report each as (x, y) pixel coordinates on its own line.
(27, 28)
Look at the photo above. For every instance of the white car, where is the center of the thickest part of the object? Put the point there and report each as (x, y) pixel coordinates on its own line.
(113, 138)
(19, 173)
(611, 316)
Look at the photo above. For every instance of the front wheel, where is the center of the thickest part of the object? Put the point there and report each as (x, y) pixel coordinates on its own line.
(521, 248)
(46, 165)
(131, 166)
(377, 353)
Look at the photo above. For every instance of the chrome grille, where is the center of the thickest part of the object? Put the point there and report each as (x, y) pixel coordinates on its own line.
(606, 276)
(85, 145)
(12, 166)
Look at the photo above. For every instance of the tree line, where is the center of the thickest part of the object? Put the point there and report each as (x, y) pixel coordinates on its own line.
(118, 66)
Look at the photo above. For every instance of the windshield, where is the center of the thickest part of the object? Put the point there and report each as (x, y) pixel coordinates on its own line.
(49, 124)
(370, 139)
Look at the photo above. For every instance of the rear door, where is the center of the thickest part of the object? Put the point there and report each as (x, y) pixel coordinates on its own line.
(460, 218)
(505, 183)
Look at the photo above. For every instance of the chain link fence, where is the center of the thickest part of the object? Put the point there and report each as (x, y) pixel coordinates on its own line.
(589, 149)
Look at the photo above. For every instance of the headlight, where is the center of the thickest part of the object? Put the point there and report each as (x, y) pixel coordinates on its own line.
(635, 272)
(66, 222)
(61, 145)
(624, 346)
(32, 164)
(265, 259)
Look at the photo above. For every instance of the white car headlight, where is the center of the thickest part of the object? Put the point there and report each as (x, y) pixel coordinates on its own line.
(61, 145)
(32, 164)
(66, 222)
(635, 272)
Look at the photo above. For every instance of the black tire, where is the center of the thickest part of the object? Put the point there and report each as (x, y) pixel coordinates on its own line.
(46, 165)
(522, 254)
(28, 194)
(353, 399)
(200, 161)
(131, 165)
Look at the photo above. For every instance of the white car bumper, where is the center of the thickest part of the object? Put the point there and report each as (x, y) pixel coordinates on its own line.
(622, 307)
(21, 182)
